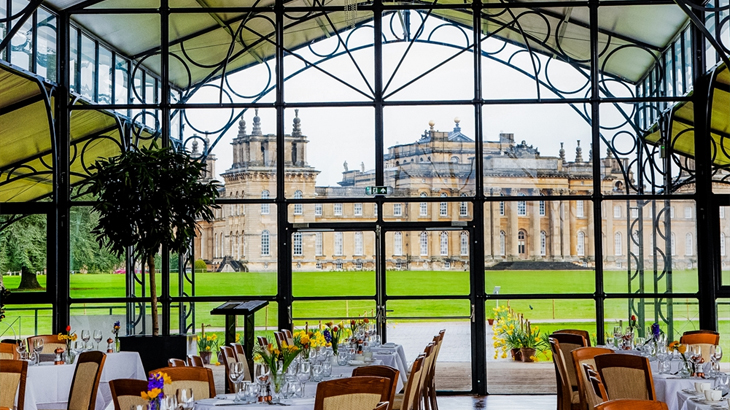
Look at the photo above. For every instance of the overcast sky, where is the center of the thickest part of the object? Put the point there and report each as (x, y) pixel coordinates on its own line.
(337, 135)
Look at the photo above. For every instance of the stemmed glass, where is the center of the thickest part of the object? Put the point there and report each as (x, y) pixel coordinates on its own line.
(304, 372)
(38, 345)
(85, 336)
(235, 373)
(185, 398)
(715, 356)
(695, 356)
(21, 350)
(170, 402)
(97, 338)
(262, 372)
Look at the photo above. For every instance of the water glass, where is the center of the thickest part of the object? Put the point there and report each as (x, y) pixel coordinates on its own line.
(289, 390)
(343, 357)
(85, 336)
(300, 391)
(235, 372)
(185, 398)
(97, 338)
(170, 402)
(252, 392)
(304, 372)
(317, 373)
(327, 369)
(291, 372)
(139, 407)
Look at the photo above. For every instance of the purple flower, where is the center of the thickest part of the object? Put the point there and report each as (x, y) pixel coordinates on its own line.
(156, 381)
(327, 335)
(655, 330)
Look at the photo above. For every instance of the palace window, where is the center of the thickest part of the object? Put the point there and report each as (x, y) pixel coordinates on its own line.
(581, 245)
(464, 208)
(423, 240)
(358, 243)
(265, 207)
(688, 245)
(579, 211)
(542, 208)
(298, 207)
(521, 207)
(397, 209)
(444, 248)
(337, 209)
(464, 244)
(502, 244)
(339, 248)
(265, 251)
(543, 243)
(398, 244)
(443, 207)
(318, 244)
(423, 209)
(358, 209)
(317, 209)
(297, 243)
(617, 244)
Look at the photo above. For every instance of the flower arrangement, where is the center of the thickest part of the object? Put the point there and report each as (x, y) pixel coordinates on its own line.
(69, 336)
(115, 332)
(155, 392)
(208, 343)
(302, 340)
(512, 331)
(336, 333)
(632, 323)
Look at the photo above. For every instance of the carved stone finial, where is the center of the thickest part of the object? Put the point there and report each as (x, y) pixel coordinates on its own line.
(297, 131)
(256, 124)
(578, 154)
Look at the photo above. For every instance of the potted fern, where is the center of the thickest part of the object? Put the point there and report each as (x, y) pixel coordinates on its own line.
(149, 199)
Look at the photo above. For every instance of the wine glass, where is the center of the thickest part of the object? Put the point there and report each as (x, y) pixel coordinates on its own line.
(262, 372)
(21, 349)
(85, 336)
(170, 402)
(304, 372)
(185, 398)
(97, 338)
(38, 345)
(695, 355)
(235, 373)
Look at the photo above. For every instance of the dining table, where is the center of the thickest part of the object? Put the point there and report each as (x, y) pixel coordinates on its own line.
(306, 402)
(47, 385)
(689, 399)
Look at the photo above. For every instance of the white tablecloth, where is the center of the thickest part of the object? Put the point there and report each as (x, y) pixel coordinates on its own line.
(48, 385)
(395, 356)
(304, 403)
(688, 401)
(667, 387)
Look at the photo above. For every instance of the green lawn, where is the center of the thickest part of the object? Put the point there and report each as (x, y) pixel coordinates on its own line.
(575, 312)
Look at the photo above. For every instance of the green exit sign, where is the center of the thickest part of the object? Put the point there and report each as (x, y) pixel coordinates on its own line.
(376, 190)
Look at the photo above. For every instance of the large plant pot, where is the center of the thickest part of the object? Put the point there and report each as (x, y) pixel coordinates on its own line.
(516, 354)
(156, 350)
(205, 357)
(527, 354)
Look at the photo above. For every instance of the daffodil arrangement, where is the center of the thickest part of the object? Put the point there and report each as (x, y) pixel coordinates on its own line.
(155, 392)
(336, 334)
(69, 336)
(272, 356)
(208, 343)
(513, 331)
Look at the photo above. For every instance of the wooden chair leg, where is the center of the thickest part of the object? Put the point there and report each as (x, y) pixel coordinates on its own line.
(432, 396)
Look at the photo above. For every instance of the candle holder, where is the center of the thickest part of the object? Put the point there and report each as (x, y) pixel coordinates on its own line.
(59, 356)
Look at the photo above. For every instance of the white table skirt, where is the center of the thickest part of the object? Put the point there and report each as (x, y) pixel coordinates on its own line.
(47, 385)
(686, 402)
(395, 356)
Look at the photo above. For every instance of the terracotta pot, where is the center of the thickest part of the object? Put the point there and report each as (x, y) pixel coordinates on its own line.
(516, 354)
(490, 321)
(527, 354)
(206, 357)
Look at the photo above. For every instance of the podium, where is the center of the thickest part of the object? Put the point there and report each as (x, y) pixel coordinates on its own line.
(246, 309)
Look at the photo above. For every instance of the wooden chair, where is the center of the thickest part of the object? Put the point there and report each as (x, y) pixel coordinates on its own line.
(429, 393)
(228, 356)
(280, 339)
(579, 332)
(14, 374)
(8, 352)
(569, 342)
(382, 406)
(595, 391)
(241, 357)
(289, 337)
(263, 342)
(581, 357)
(626, 376)
(85, 382)
(125, 393)
(704, 338)
(567, 398)
(632, 405)
(352, 393)
(175, 362)
(200, 379)
(50, 343)
(409, 400)
(194, 361)
(381, 371)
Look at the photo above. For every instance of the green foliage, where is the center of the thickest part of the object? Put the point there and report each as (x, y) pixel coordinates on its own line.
(4, 293)
(23, 244)
(150, 197)
(200, 266)
(85, 251)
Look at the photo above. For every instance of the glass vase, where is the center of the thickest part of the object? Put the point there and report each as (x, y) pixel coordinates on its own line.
(278, 384)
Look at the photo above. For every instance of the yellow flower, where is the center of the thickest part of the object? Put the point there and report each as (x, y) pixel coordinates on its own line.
(509, 332)
(504, 355)
(152, 394)
(496, 356)
(166, 378)
(238, 337)
(533, 358)
(207, 348)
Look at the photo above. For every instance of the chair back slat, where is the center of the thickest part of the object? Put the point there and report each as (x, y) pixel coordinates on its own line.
(569, 342)
(195, 361)
(228, 356)
(581, 357)
(289, 336)
(8, 352)
(410, 391)
(596, 392)
(241, 357)
(579, 332)
(175, 362)
(632, 405)
(565, 394)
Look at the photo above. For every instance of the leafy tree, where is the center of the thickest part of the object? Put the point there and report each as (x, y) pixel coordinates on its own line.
(23, 248)
(200, 266)
(85, 251)
(150, 198)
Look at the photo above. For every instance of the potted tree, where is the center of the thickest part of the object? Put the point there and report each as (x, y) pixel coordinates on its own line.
(150, 199)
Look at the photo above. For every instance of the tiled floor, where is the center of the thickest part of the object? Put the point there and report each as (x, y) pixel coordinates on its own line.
(498, 402)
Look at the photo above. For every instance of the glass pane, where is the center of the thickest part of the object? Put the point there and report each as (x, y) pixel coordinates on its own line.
(313, 168)
(121, 81)
(674, 316)
(724, 214)
(46, 49)
(105, 76)
(412, 324)
(264, 319)
(333, 263)
(242, 256)
(434, 160)
(3, 26)
(543, 156)
(539, 247)
(650, 246)
(23, 320)
(98, 317)
(95, 272)
(73, 58)
(88, 68)
(427, 263)
(505, 373)
(23, 252)
(22, 45)
(313, 312)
